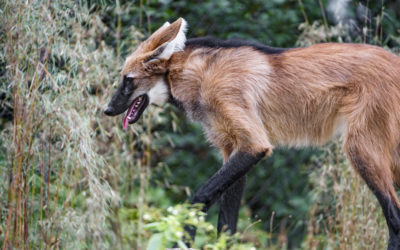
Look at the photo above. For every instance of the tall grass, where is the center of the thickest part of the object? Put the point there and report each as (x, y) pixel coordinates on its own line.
(56, 180)
(72, 179)
(345, 213)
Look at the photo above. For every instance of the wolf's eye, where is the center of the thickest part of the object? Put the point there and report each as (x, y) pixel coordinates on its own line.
(128, 85)
(128, 80)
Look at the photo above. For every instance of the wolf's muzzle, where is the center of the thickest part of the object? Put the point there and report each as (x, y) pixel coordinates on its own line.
(109, 111)
(121, 99)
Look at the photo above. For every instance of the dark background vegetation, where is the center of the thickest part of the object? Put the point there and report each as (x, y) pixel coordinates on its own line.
(177, 159)
(279, 184)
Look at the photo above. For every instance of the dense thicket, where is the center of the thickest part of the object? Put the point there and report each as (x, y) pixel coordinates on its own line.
(72, 178)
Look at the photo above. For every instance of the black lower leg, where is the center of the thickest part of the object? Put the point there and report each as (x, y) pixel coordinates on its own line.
(392, 216)
(389, 208)
(233, 169)
(229, 206)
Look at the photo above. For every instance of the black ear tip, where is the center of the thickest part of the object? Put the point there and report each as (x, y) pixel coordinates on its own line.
(109, 111)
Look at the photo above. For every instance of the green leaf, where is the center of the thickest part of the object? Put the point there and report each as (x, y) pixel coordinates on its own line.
(153, 225)
(182, 245)
(156, 242)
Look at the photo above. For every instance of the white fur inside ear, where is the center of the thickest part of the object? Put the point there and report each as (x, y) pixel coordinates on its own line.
(176, 45)
(159, 94)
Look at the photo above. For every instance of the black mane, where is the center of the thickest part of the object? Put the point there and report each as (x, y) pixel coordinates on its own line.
(212, 42)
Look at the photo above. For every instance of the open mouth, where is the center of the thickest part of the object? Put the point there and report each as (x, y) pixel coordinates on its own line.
(135, 110)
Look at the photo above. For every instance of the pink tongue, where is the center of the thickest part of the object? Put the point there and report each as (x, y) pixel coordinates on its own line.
(126, 120)
(125, 123)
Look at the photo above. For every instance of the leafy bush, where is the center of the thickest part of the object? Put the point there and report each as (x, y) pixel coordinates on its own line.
(71, 178)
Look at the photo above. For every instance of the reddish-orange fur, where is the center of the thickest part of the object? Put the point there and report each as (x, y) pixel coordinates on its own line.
(251, 101)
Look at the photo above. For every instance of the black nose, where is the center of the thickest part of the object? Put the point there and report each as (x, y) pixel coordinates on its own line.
(109, 111)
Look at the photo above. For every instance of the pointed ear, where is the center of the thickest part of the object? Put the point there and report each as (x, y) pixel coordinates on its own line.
(167, 40)
(158, 32)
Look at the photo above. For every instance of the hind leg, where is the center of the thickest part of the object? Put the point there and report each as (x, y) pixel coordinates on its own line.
(374, 168)
(230, 205)
(396, 166)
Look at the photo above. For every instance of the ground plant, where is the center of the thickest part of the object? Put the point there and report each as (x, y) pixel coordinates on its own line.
(72, 178)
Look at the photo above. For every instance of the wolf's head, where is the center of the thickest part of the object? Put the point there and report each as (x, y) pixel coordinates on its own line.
(143, 77)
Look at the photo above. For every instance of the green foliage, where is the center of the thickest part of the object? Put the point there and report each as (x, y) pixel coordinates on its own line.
(54, 174)
(345, 213)
(71, 178)
(169, 228)
(271, 22)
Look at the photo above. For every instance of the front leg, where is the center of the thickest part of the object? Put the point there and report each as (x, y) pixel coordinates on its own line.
(230, 205)
(233, 170)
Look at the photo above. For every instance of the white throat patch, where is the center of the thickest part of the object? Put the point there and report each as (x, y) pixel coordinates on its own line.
(159, 94)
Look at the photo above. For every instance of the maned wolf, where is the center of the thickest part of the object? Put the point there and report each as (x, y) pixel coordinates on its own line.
(250, 98)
